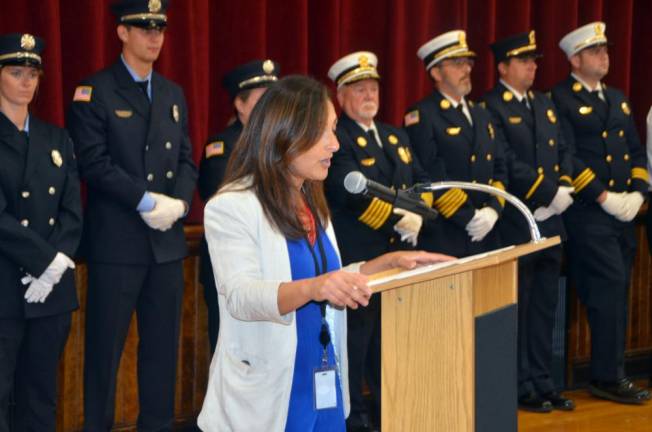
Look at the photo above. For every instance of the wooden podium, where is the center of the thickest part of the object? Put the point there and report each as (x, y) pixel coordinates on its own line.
(449, 344)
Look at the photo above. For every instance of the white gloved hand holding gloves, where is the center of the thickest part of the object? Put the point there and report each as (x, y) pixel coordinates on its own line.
(165, 213)
(408, 226)
(39, 289)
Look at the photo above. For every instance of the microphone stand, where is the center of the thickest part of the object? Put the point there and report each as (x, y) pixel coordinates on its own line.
(430, 187)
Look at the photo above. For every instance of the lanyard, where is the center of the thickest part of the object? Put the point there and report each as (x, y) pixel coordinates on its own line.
(324, 334)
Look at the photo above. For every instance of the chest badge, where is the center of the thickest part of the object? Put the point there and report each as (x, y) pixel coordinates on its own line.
(175, 113)
(625, 107)
(56, 158)
(368, 162)
(404, 154)
(551, 116)
(123, 113)
(515, 120)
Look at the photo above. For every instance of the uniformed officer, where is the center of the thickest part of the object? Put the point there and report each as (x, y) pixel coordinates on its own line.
(245, 84)
(130, 127)
(367, 227)
(40, 229)
(455, 139)
(610, 179)
(540, 174)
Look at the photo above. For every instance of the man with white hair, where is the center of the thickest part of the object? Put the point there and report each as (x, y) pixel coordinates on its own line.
(610, 180)
(368, 227)
(455, 139)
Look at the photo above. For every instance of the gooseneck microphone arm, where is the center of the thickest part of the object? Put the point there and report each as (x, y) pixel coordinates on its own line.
(431, 187)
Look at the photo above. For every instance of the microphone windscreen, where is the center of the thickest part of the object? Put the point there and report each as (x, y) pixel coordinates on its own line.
(355, 182)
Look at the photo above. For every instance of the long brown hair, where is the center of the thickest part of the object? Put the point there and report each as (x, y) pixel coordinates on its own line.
(287, 121)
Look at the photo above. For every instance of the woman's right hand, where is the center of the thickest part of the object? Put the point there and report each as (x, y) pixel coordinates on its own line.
(340, 288)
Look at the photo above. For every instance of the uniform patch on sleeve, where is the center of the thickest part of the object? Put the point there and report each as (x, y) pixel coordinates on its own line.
(216, 148)
(83, 94)
(411, 118)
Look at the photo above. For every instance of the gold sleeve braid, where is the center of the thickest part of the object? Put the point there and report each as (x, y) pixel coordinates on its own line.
(450, 202)
(534, 187)
(376, 213)
(641, 174)
(583, 179)
(499, 185)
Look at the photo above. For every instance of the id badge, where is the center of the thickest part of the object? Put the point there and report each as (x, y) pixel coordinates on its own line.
(325, 392)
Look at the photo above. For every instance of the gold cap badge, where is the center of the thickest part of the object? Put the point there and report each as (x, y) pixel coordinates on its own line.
(532, 38)
(154, 6)
(268, 67)
(27, 42)
(56, 158)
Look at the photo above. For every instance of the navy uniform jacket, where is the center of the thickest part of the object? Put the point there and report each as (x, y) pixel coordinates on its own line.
(214, 160)
(126, 147)
(449, 148)
(364, 226)
(537, 157)
(40, 215)
(602, 136)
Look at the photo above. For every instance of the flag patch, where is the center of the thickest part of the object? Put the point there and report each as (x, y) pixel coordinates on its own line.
(83, 94)
(215, 148)
(411, 118)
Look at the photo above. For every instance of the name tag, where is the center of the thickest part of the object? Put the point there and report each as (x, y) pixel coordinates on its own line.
(123, 113)
(325, 391)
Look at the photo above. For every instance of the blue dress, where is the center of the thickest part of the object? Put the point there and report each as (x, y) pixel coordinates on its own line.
(302, 416)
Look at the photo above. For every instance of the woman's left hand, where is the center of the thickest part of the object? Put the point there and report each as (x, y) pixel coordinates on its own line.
(411, 259)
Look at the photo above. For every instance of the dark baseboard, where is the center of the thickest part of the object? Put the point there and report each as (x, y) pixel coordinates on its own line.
(637, 366)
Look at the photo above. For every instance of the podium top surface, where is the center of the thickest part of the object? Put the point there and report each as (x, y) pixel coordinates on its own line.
(397, 278)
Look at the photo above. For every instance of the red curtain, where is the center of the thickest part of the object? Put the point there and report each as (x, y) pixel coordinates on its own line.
(208, 37)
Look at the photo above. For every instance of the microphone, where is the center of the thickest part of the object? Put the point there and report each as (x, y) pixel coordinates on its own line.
(356, 183)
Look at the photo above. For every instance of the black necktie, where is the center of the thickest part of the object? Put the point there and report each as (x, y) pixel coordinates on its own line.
(460, 108)
(596, 96)
(525, 102)
(372, 137)
(143, 87)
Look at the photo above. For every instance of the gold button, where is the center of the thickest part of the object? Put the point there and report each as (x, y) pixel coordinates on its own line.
(147, 148)
(150, 177)
(489, 157)
(52, 190)
(51, 221)
(612, 182)
(24, 223)
(169, 174)
(621, 133)
(392, 239)
(168, 145)
(551, 142)
(626, 157)
(25, 194)
(629, 182)
(609, 158)
(540, 170)
(556, 168)
(472, 158)
(605, 134)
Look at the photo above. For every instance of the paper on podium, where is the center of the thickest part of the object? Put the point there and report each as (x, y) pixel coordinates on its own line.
(428, 268)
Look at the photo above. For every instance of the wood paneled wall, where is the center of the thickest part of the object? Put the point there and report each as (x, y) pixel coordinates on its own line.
(194, 352)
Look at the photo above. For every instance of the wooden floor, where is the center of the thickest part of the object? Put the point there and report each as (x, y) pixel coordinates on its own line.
(591, 415)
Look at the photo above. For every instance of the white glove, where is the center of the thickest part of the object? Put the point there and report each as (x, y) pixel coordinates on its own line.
(614, 204)
(56, 269)
(483, 221)
(409, 226)
(38, 291)
(165, 213)
(633, 202)
(543, 213)
(562, 199)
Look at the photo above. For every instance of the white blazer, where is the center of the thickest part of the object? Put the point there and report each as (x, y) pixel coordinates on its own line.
(250, 376)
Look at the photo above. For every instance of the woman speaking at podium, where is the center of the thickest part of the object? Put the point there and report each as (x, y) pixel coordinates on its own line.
(281, 359)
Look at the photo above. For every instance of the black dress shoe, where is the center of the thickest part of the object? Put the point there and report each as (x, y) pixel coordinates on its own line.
(623, 391)
(534, 403)
(559, 402)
